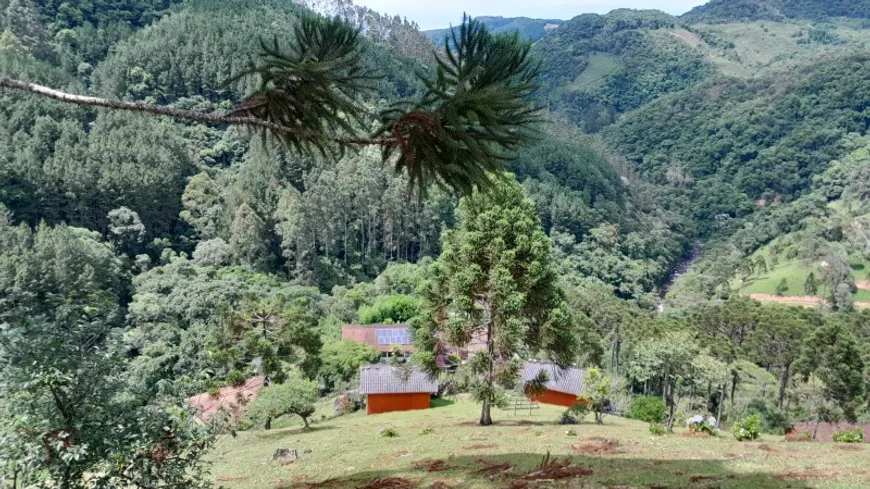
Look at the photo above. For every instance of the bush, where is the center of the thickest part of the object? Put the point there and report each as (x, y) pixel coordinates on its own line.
(390, 310)
(651, 409)
(773, 420)
(388, 433)
(855, 435)
(428, 431)
(748, 429)
(700, 424)
(657, 429)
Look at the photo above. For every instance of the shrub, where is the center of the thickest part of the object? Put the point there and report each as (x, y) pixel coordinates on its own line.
(428, 431)
(773, 420)
(700, 424)
(855, 435)
(748, 429)
(388, 433)
(657, 429)
(651, 409)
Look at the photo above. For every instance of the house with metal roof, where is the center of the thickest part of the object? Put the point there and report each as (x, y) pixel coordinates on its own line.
(388, 388)
(388, 339)
(563, 384)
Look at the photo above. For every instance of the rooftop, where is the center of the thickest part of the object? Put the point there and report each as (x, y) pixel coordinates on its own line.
(387, 379)
(382, 337)
(567, 381)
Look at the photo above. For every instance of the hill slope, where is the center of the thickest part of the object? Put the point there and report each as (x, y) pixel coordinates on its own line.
(776, 10)
(529, 29)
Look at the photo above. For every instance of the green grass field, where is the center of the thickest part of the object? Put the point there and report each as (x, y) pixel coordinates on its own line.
(620, 454)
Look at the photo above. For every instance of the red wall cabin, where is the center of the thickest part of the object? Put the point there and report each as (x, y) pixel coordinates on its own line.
(385, 403)
(556, 398)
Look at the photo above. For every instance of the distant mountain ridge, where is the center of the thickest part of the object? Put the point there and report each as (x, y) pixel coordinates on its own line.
(529, 29)
(720, 11)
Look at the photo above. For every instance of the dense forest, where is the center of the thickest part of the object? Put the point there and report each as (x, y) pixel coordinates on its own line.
(177, 257)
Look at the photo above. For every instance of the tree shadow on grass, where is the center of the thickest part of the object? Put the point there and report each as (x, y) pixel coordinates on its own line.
(625, 473)
(440, 402)
(285, 432)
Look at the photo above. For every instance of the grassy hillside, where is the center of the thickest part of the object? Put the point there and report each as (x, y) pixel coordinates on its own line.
(529, 29)
(621, 453)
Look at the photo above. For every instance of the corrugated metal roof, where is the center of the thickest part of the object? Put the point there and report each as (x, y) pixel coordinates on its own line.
(387, 379)
(568, 381)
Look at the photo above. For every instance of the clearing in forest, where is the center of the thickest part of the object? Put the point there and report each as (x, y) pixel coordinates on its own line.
(444, 448)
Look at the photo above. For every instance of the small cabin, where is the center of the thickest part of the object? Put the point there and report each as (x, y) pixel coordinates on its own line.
(563, 384)
(388, 339)
(388, 388)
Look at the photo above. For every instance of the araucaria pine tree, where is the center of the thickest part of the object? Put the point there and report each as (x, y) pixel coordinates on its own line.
(495, 281)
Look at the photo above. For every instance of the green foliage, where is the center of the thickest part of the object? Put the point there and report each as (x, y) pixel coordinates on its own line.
(651, 409)
(498, 253)
(391, 309)
(76, 422)
(484, 83)
(723, 11)
(650, 62)
(657, 429)
(597, 390)
(854, 435)
(388, 433)
(782, 287)
(747, 429)
(427, 431)
(295, 395)
(341, 360)
(571, 432)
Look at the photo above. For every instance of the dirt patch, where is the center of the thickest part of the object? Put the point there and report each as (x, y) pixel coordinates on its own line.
(440, 485)
(603, 446)
(431, 465)
(766, 448)
(402, 453)
(480, 446)
(863, 284)
(796, 300)
(389, 483)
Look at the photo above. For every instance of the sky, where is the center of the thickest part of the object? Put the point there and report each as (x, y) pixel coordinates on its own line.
(435, 14)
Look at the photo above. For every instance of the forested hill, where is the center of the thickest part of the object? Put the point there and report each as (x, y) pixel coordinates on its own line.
(529, 29)
(697, 123)
(722, 11)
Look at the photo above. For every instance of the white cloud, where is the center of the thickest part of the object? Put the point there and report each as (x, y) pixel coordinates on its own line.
(433, 14)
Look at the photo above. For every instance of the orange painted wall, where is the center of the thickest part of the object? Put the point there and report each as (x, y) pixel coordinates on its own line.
(384, 403)
(556, 398)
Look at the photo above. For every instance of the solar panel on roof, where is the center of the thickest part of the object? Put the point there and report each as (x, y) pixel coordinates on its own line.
(393, 336)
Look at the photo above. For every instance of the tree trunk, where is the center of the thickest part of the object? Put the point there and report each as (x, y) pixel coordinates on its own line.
(783, 384)
(305, 421)
(721, 404)
(733, 388)
(268, 424)
(485, 415)
(669, 390)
